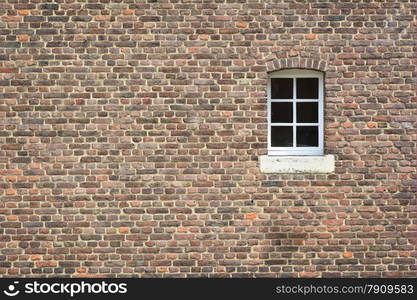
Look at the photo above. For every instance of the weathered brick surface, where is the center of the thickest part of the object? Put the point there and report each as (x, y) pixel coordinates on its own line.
(130, 133)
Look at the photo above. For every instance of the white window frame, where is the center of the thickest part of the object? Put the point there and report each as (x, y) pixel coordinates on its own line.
(297, 73)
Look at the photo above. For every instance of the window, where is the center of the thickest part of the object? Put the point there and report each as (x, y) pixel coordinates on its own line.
(295, 112)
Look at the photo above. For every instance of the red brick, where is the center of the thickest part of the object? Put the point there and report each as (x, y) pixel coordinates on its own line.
(11, 19)
(9, 70)
(241, 24)
(250, 216)
(128, 12)
(22, 38)
(23, 12)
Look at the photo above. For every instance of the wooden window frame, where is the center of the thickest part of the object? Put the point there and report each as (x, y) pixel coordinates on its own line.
(294, 74)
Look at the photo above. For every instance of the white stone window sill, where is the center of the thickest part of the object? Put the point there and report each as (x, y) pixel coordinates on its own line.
(297, 164)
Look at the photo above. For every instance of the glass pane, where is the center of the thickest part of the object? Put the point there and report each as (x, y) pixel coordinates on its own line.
(281, 88)
(307, 136)
(307, 88)
(281, 112)
(307, 112)
(281, 136)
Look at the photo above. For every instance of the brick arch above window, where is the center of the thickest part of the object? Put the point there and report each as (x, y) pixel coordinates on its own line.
(296, 63)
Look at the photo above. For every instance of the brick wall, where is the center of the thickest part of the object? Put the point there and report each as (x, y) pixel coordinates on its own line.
(130, 133)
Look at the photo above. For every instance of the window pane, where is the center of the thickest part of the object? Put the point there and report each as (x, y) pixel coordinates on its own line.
(307, 88)
(281, 88)
(307, 112)
(281, 112)
(281, 136)
(307, 136)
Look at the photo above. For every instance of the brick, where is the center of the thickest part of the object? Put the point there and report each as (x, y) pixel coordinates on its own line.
(51, 6)
(241, 24)
(81, 18)
(11, 19)
(9, 70)
(149, 19)
(58, 19)
(46, 264)
(9, 45)
(23, 12)
(123, 229)
(33, 19)
(21, 82)
(250, 216)
(22, 38)
(123, 69)
(10, 192)
(46, 31)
